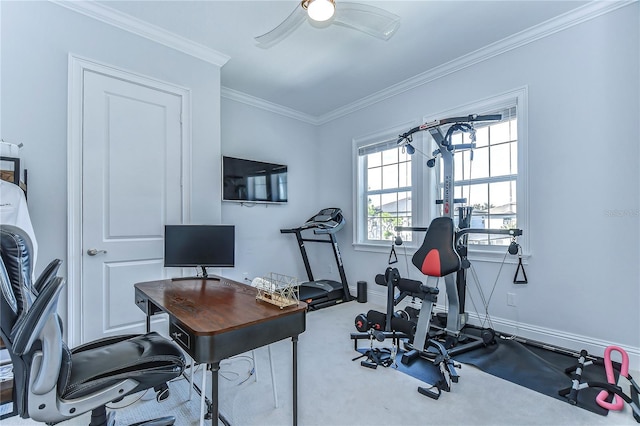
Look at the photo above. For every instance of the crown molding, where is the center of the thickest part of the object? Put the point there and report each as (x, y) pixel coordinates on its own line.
(144, 29)
(125, 22)
(567, 20)
(238, 96)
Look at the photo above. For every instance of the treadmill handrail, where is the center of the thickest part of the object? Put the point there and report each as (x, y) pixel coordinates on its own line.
(301, 238)
(317, 227)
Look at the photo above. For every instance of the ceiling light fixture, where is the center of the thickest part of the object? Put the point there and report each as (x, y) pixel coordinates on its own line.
(319, 10)
(363, 17)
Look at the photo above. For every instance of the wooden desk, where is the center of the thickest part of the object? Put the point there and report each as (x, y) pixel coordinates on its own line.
(217, 318)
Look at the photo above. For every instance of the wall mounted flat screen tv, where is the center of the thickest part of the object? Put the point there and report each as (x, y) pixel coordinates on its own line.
(253, 181)
(200, 246)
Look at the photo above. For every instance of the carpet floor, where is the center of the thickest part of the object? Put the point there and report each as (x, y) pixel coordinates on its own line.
(334, 390)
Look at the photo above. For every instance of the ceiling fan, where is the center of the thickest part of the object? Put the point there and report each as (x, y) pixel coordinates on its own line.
(366, 18)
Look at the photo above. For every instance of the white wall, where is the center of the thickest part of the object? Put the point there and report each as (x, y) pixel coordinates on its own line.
(36, 40)
(256, 134)
(583, 90)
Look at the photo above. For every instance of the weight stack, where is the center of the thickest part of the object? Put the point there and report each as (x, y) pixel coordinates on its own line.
(362, 292)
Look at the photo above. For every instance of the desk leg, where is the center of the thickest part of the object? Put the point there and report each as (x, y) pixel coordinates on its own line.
(148, 323)
(215, 408)
(294, 341)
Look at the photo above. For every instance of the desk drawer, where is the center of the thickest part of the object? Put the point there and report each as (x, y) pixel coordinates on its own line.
(141, 301)
(145, 305)
(181, 336)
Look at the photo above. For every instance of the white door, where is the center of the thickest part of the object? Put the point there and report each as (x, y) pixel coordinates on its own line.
(131, 188)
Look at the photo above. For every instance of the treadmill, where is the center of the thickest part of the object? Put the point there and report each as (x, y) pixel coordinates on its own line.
(322, 293)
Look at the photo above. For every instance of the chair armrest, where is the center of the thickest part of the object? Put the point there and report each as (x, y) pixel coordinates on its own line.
(29, 327)
(46, 275)
(98, 343)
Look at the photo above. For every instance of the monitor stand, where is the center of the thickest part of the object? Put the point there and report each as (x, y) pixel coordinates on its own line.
(204, 276)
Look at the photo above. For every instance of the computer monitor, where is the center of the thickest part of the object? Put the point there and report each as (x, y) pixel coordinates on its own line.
(200, 246)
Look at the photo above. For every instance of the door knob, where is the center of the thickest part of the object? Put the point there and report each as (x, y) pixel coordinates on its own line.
(93, 252)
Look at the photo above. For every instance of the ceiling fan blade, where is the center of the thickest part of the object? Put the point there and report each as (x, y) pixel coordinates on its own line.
(285, 28)
(368, 19)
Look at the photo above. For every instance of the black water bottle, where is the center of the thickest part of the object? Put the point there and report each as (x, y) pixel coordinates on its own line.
(362, 292)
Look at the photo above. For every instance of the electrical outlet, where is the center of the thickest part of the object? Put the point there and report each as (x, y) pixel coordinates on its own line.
(331, 269)
(511, 299)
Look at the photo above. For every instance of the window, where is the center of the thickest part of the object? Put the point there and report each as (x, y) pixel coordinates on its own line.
(394, 188)
(387, 189)
(388, 193)
(486, 176)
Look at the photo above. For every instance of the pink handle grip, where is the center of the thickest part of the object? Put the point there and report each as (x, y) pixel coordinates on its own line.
(617, 402)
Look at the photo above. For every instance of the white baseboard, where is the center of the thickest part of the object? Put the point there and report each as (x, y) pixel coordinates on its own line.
(562, 339)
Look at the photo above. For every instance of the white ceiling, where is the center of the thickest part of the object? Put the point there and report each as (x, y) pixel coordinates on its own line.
(318, 70)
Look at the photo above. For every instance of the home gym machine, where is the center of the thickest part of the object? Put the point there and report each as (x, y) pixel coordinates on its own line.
(321, 293)
(442, 254)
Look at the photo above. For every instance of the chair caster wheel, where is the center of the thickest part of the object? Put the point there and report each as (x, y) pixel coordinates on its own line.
(162, 392)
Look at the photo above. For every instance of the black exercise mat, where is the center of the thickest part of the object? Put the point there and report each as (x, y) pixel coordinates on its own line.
(421, 369)
(526, 365)
(535, 368)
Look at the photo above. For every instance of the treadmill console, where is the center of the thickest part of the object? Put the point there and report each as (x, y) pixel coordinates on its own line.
(327, 221)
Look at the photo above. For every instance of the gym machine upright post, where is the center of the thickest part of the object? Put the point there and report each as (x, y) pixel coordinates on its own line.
(442, 254)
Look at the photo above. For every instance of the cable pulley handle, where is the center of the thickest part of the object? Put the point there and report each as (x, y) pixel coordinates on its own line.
(393, 257)
(520, 267)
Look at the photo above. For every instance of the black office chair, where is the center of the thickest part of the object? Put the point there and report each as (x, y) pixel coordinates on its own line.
(53, 383)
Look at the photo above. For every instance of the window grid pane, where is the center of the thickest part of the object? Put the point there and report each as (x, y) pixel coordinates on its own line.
(374, 159)
(390, 176)
(374, 178)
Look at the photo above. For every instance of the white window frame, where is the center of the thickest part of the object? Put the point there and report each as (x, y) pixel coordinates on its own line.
(424, 182)
(360, 204)
(519, 98)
